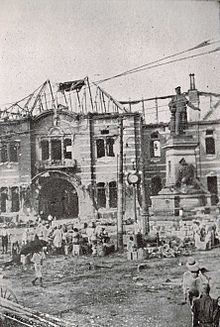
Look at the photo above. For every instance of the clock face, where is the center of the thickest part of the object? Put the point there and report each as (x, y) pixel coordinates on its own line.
(133, 178)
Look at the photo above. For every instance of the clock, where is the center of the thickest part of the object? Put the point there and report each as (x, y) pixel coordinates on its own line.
(133, 178)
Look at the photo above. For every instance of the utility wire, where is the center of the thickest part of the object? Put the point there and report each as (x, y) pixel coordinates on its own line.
(150, 65)
(200, 45)
(158, 65)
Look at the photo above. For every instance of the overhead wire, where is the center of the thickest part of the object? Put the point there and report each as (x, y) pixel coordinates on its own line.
(200, 45)
(150, 66)
(146, 66)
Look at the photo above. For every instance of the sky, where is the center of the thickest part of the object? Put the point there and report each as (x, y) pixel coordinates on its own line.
(70, 39)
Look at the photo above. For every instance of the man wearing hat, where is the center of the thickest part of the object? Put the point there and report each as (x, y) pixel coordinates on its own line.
(192, 280)
(205, 310)
(178, 111)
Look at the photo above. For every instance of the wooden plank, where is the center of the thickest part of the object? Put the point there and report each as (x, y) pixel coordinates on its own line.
(26, 316)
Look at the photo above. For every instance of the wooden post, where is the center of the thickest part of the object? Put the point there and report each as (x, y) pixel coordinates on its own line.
(157, 113)
(92, 159)
(145, 224)
(120, 189)
(90, 94)
(143, 109)
(135, 202)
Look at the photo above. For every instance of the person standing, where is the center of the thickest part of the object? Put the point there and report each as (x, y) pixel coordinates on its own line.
(5, 239)
(205, 310)
(192, 281)
(37, 259)
(75, 241)
(58, 238)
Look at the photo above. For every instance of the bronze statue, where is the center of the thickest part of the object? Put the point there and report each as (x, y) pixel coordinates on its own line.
(186, 181)
(178, 108)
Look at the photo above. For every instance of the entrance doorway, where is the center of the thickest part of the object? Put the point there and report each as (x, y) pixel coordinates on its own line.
(58, 198)
(212, 186)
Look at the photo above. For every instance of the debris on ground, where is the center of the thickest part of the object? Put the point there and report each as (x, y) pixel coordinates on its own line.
(170, 248)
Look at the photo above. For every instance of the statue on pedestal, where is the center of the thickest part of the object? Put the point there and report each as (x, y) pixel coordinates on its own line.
(186, 181)
(178, 108)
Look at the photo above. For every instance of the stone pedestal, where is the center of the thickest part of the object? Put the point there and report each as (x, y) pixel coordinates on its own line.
(170, 199)
(168, 202)
(178, 147)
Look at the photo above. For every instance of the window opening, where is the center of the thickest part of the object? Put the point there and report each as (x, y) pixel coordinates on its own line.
(4, 197)
(45, 149)
(155, 150)
(156, 185)
(100, 145)
(67, 148)
(101, 195)
(56, 152)
(112, 195)
(4, 152)
(105, 131)
(212, 185)
(13, 152)
(15, 205)
(110, 147)
(210, 142)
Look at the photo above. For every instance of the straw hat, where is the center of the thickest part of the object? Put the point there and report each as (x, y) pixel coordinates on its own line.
(192, 265)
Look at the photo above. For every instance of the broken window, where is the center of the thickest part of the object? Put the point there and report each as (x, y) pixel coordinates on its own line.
(13, 151)
(67, 148)
(112, 195)
(15, 203)
(4, 197)
(155, 145)
(56, 152)
(4, 152)
(45, 149)
(100, 146)
(101, 195)
(210, 142)
(110, 147)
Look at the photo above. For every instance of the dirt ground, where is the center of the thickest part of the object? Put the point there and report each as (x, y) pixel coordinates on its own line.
(109, 291)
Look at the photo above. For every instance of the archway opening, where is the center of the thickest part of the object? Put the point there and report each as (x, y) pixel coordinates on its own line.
(58, 198)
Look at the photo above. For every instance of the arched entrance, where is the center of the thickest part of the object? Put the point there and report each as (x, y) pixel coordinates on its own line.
(59, 198)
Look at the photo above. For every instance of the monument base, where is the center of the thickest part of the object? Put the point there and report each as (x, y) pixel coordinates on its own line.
(169, 202)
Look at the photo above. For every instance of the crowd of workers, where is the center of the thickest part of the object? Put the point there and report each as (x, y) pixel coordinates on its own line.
(56, 239)
(46, 237)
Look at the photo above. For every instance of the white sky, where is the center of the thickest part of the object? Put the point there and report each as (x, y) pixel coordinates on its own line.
(70, 39)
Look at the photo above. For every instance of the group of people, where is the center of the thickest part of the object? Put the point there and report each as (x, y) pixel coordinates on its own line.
(58, 239)
(196, 291)
(46, 238)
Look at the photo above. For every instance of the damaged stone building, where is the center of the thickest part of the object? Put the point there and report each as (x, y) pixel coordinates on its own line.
(60, 151)
(61, 158)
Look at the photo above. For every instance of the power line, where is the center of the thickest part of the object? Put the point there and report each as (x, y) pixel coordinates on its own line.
(144, 66)
(158, 65)
(200, 45)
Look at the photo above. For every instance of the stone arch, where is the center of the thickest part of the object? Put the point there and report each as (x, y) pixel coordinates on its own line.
(56, 193)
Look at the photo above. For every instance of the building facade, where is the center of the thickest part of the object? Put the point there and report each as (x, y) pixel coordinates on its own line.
(61, 158)
(65, 164)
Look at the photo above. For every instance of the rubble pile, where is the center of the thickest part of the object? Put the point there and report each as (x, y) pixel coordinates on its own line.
(170, 248)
